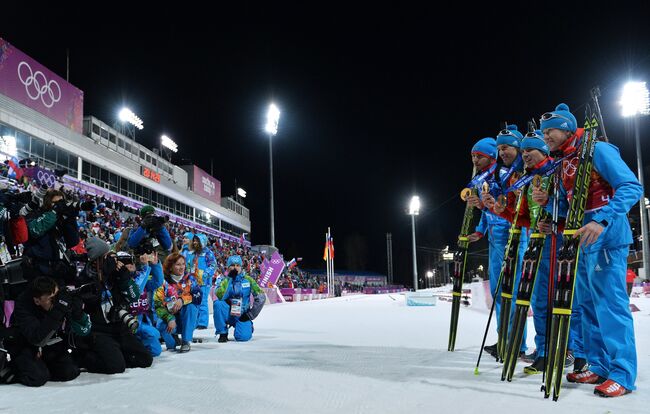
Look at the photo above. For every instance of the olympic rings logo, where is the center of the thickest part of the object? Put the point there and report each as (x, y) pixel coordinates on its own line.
(37, 86)
(46, 178)
(571, 167)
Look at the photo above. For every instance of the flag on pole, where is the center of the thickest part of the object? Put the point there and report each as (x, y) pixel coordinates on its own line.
(292, 263)
(242, 239)
(327, 246)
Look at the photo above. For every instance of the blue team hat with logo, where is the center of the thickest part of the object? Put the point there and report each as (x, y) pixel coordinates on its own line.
(189, 235)
(234, 260)
(487, 147)
(561, 118)
(510, 136)
(535, 140)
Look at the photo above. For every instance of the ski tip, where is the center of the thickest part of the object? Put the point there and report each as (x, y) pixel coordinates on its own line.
(476, 371)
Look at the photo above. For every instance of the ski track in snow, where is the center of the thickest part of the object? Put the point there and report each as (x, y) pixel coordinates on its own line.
(360, 354)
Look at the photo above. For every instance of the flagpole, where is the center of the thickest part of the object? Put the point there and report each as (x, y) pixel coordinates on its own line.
(327, 263)
(331, 247)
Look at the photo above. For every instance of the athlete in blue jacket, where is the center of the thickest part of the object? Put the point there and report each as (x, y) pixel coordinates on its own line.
(497, 228)
(607, 325)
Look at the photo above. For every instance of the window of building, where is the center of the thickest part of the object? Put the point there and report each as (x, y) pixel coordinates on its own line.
(111, 138)
(37, 147)
(96, 129)
(103, 133)
(142, 154)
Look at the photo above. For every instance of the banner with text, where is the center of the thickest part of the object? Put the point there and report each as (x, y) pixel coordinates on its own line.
(206, 186)
(271, 273)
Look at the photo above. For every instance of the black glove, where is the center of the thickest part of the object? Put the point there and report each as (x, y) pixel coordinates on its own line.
(123, 275)
(233, 273)
(62, 304)
(244, 317)
(197, 296)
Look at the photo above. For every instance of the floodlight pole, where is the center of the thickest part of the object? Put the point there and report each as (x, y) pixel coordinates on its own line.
(642, 210)
(271, 184)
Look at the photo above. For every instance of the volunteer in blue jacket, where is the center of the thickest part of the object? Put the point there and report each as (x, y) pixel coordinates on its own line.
(234, 307)
(200, 262)
(607, 325)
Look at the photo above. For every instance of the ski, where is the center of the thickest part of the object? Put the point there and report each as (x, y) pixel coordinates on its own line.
(530, 264)
(460, 260)
(514, 233)
(567, 264)
(507, 280)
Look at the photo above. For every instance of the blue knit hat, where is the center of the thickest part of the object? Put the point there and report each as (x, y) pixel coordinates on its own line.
(486, 146)
(234, 260)
(535, 140)
(510, 136)
(561, 118)
(189, 235)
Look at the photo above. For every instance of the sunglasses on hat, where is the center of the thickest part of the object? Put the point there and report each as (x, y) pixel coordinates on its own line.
(531, 135)
(551, 115)
(508, 132)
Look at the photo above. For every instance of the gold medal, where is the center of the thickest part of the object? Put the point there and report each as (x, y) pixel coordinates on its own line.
(486, 187)
(537, 181)
(464, 195)
(501, 200)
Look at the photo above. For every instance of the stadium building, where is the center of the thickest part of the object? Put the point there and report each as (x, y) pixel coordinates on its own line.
(41, 119)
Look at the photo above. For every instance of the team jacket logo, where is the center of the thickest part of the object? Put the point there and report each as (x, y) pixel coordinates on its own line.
(37, 86)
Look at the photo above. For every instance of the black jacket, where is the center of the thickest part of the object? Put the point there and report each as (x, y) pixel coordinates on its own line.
(45, 228)
(33, 326)
(122, 294)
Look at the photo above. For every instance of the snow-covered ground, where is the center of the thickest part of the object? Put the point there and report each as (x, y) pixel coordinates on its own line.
(357, 354)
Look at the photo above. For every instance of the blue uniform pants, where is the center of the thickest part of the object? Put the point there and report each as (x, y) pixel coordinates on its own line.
(607, 324)
(185, 324)
(204, 312)
(149, 336)
(539, 303)
(223, 319)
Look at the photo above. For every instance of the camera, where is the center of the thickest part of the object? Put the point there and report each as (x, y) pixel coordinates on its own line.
(85, 289)
(125, 258)
(153, 223)
(123, 315)
(145, 247)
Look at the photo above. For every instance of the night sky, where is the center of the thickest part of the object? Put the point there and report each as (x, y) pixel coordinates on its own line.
(378, 102)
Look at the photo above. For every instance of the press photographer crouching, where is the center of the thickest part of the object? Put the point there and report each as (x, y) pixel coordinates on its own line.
(44, 321)
(52, 222)
(112, 346)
